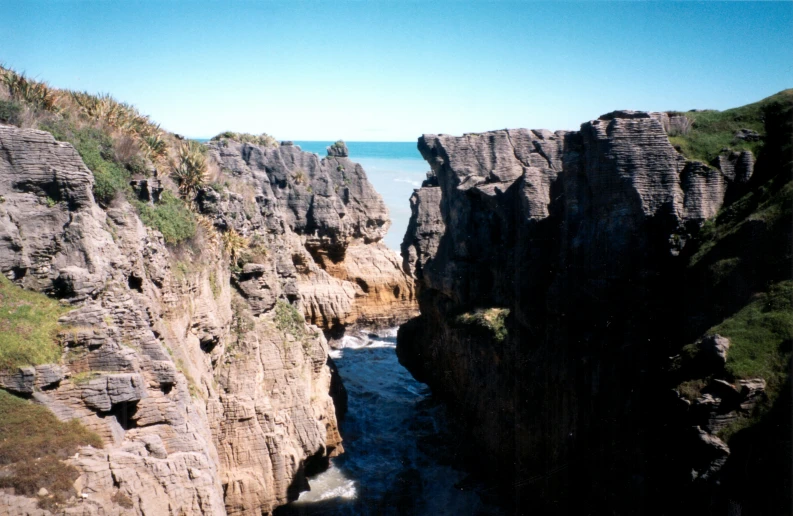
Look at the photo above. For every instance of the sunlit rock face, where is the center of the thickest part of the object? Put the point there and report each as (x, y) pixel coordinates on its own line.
(549, 270)
(208, 402)
(323, 223)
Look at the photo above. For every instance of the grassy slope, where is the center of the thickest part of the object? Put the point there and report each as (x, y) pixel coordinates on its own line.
(713, 131)
(28, 326)
(32, 443)
(740, 269)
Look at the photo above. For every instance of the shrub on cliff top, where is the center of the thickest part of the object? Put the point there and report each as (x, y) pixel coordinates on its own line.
(32, 443)
(264, 139)
(190, 173)
(38, 94)
(28, 327)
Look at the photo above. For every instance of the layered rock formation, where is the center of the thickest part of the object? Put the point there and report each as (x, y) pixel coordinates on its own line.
(324, 222)
(551, 276)
(210, 393)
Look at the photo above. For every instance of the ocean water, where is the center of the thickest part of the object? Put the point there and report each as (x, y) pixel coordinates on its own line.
(400, 454)
(394, 168)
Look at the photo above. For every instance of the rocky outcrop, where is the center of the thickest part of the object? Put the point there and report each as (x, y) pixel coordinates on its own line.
(580, 237)
(206, 402)
(319, 225)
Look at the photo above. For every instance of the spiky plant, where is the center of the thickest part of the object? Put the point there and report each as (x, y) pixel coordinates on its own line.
(190, 173)
(39, 94)
(157, 147)
(234, 244)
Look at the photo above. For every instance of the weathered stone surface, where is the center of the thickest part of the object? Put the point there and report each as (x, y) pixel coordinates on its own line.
(338, 150)
(712, 455)
(737, 166)
(316, 227)
(202, 409)
(747, 135)
(715, 348)
(49, 223)
(578, 235)
(21, 380)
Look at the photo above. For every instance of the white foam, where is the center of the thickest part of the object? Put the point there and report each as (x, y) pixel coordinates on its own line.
(329, 484)
(364, 339)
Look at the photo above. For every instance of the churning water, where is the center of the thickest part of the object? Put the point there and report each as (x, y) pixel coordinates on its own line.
(399, 454)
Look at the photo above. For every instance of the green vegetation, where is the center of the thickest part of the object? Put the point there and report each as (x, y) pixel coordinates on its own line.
(760, 336)
(32, 443)
(84, 377)
(264, 139)
(170, 216)
(33, 92)
(299, 176)
(117, 115)
(726, 433)
(156, 147)
(28, 327)
(770, 203)
(712, 131)
(234, 244)
(691, 389)
(289, 320)
(10, 112)
(95, 147)
(491, 319)
(190, 173)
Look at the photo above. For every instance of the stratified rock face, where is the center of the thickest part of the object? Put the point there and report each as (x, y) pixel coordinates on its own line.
(322, 224)
(206, 404)
(576, 234)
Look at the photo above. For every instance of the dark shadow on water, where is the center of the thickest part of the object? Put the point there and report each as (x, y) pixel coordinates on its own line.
(399, 451)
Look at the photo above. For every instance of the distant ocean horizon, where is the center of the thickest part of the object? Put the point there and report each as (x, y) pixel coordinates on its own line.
(395, 169)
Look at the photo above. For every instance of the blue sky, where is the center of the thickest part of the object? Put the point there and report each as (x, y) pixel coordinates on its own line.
(387, 71)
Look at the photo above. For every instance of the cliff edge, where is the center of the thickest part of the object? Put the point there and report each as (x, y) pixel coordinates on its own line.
(578, 293)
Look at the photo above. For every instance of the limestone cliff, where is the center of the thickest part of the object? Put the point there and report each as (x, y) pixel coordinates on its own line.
(556, 277)
(325, 222)
(210, 393)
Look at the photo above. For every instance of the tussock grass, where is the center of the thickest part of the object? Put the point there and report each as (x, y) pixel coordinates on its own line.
(32, 444)
(28, 327)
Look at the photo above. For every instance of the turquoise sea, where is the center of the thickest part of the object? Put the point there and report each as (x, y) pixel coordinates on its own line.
(394, 168)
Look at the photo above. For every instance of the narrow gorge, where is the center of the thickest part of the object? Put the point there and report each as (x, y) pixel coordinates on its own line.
(601, 319)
